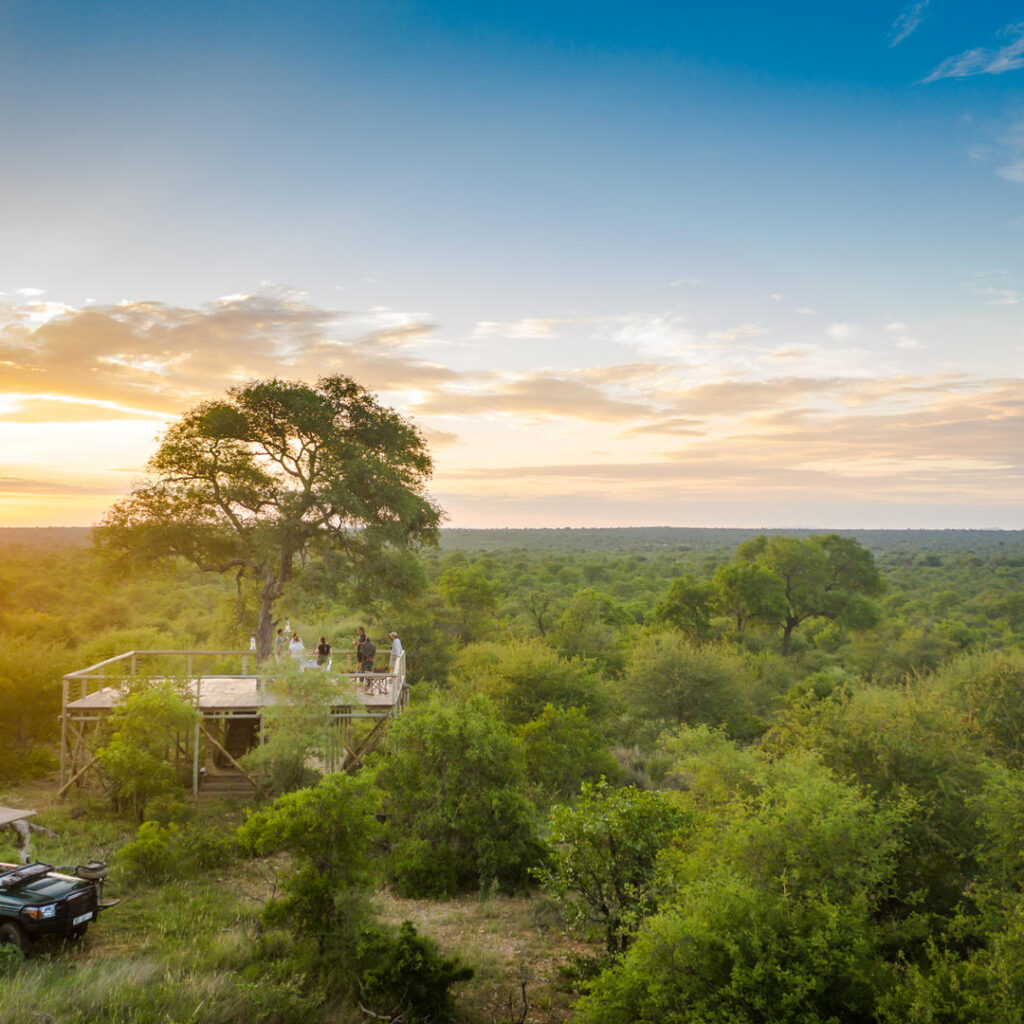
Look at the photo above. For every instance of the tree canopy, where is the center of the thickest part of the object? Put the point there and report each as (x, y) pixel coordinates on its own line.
(278, 469)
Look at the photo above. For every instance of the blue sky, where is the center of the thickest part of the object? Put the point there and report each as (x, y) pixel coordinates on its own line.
(544, 231)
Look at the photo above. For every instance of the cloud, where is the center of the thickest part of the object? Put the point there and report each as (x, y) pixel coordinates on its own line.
(734, 334)
(957, 440)
(841, 331)
(785, 354)
(62, 411)
(158, 358)
(997, 296)
(528, 328)
(680, 281)
(30, 293)
(984, 62)
(671, 426)
(540, 395)
(907, 22)
(440, 438)
(13, 485)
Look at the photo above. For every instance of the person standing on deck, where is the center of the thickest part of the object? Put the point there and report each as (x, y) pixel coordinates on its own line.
(323, 651)
(359, 641)
(295, 648)
(369, 651)
(396, 649)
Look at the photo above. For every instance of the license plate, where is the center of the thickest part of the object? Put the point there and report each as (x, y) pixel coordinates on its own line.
(81, 918)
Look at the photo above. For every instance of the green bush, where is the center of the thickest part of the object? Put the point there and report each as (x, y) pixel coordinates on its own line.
(163, 852)
(563, 750)
(769, 910)
(327, 829)
(604, 854)
(403, 975)
(453, 789)
(668, 679)
(142, 730)
(524, 677)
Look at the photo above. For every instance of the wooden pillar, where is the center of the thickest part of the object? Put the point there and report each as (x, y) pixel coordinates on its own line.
(195, 762)
(63, 729)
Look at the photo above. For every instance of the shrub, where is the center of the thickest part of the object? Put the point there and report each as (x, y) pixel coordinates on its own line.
(457, 817)
(143, 728)
(327, 829)
(404, 976)
(563, 750)
(162, 852)
(522, 678)
(604, 855)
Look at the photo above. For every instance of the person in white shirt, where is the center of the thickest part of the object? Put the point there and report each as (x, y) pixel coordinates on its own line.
(295, 648)
(396, 649)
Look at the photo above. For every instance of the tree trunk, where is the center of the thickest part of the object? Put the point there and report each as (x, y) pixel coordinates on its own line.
(265, 625)
(787, 634)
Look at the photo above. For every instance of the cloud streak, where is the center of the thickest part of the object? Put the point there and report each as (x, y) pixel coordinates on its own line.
(907, 22)
(1009, 57)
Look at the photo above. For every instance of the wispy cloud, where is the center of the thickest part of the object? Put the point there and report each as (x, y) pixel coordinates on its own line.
(534, 327)
(842, 331)
(907, 22)
(733, 334)
(1009, 57)
(157, 358)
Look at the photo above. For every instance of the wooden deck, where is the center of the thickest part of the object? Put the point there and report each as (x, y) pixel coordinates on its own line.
(231, 705)
(233, 694)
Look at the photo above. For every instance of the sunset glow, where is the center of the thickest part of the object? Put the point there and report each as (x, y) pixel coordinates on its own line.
(733, 266)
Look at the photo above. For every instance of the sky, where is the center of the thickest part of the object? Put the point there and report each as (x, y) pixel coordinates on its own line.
(690, 264)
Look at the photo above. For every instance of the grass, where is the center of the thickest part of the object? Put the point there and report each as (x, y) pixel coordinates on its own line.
(191, 951)
(508, 941)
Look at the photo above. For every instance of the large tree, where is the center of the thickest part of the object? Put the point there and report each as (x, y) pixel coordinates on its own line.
(276, 471)
(824, 576)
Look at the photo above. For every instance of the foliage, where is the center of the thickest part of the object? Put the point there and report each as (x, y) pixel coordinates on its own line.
(327, 829)
(563, 749)
(668, 679)
(768, 911)
(405, 977)
(593, 625)
(29, 704)
(687, 607)
(523, 677)
(899, 743)
(298, 728)
(162, 852)
(826, 576)
(747, 591)
(453, 790)
(989, 689)
(604, 852)
(144, 728)
(276, 469)
(467, 590)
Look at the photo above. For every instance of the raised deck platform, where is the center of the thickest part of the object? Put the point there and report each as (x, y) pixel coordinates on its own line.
(231, 706)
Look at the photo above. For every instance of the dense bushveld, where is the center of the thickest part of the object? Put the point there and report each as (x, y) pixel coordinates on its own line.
(716, 777)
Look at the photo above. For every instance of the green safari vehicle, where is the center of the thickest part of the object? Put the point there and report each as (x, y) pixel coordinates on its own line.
(37, 901)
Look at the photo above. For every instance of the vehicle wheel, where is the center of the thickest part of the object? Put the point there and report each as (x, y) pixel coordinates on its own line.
(12, 934)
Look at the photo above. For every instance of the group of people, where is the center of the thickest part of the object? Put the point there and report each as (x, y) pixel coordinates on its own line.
(366, 650)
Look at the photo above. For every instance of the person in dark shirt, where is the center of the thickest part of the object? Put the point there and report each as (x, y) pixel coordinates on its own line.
(359, 641)
(323, 651)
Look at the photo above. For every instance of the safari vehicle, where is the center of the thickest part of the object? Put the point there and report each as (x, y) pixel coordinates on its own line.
(36, 901)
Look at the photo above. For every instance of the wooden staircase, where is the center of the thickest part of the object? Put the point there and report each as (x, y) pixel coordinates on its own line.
(225, 782)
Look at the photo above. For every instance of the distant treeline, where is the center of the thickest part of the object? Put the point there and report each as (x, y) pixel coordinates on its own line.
(620, 539)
